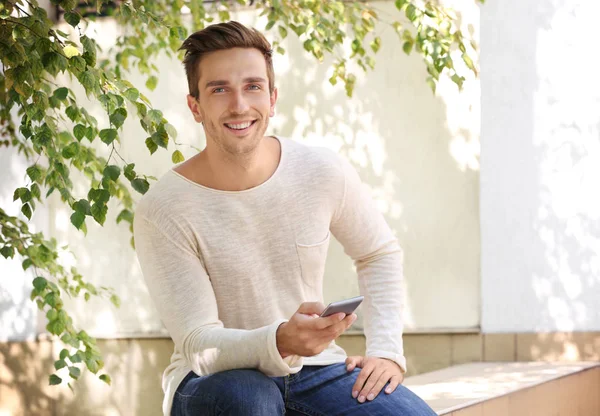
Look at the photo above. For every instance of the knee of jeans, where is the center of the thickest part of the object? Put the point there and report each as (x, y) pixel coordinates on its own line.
(252, 393)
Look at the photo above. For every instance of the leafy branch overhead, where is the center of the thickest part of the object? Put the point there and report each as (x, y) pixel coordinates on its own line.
(46, 121)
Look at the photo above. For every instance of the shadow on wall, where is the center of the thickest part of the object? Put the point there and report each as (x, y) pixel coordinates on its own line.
(17, 312)
(136, 368)
(548, 132)
(396, 133)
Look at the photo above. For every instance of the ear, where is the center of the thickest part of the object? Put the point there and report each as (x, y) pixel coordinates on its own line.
(273, 101)
(194, 108)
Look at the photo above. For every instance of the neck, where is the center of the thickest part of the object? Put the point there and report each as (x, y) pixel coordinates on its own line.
(240, 172)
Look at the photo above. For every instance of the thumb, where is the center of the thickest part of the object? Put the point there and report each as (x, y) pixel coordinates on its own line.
(353, 362)
(310, 308)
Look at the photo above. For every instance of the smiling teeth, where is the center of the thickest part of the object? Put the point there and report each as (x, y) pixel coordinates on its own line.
(239, 126)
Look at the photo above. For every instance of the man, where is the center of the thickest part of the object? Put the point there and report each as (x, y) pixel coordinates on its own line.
(233, 242)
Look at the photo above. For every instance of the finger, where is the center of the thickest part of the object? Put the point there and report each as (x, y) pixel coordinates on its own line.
(330, 321)
(343, 326)
(309, 308)
(349, 320)
(370, 384)
(361, 380)
(394, 382)
(379, 384)
(353, 362)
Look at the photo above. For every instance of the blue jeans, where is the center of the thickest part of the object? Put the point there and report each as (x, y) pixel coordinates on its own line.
(314, 391)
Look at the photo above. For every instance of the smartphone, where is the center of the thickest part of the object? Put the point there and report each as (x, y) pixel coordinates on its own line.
(347, 306)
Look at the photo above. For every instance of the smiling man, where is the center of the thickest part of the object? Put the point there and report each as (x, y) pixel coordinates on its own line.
(233, 242)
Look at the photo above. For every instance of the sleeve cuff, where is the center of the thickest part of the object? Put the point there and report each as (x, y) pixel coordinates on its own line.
(397, 358)
(275, 365)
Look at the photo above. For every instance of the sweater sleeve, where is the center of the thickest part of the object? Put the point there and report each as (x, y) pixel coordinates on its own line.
(181, 290)
(366, 237)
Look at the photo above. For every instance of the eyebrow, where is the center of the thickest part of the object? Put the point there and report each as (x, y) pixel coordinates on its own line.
(220, 83)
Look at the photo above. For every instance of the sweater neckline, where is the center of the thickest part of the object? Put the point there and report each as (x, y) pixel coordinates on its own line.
(254, 188)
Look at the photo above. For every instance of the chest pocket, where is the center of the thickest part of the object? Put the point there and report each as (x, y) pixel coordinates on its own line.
(312, 259)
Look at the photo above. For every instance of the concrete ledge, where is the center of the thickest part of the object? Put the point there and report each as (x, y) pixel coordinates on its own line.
(519, 388)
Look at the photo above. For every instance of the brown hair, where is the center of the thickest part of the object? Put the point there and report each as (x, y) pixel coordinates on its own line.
(219, 37)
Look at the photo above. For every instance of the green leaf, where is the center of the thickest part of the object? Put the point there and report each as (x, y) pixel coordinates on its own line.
(155, 116)
(82, 206)
(151, 145)
(52, 315)
(7, 251)
(35, 191)
(55, 380)
(61, 93)
(92, 365)
(73, 113)
(51, 299)
(105, 378)
(142, 110)
(467, 60)
(77, 357)
(376, 44)
(118, 117)
(151, 83)
(79, 131)
(40, 283)
(34, 172)
(108, 135)
(77, 219)
(74, 372)
(89, 45)
(171, 130)
(60, 364)
(72, 18)
(27, 263)
(407, 47)
(178, 32)
(86, 296)
(129, 172)
(99, 195)
(140, 185)
(400, 4)
(26, 210)
(177, 157)
(132, 95)
(55, 327)
(125, 215)
(112, 171)
(71, 150)
(64, 354)
(270, 24)
(282, 32)
(115, 301)
(88, 80)
(411, 12)
(99, 211)
(161, 138)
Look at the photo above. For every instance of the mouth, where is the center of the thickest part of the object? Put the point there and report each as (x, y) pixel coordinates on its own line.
(240, 128)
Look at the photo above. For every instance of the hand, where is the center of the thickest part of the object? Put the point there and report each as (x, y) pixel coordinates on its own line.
(375, 373)
(307, 334)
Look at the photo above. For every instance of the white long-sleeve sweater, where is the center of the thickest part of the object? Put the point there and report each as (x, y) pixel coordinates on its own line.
(224, 269)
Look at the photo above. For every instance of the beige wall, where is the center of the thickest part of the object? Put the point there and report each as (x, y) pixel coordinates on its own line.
(415, 150)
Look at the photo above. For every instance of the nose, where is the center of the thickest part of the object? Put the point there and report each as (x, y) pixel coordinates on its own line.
(239, 103)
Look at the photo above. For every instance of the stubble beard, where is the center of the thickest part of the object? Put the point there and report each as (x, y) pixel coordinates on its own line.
(234, 148)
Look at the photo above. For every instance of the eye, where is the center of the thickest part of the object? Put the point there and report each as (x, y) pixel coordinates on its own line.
(254, 87)
(218, 90)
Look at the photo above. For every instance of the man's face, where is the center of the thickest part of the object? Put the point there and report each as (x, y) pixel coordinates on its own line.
(234, 101)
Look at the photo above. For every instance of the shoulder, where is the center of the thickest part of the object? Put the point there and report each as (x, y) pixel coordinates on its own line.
(157, 202)
(316, 160)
